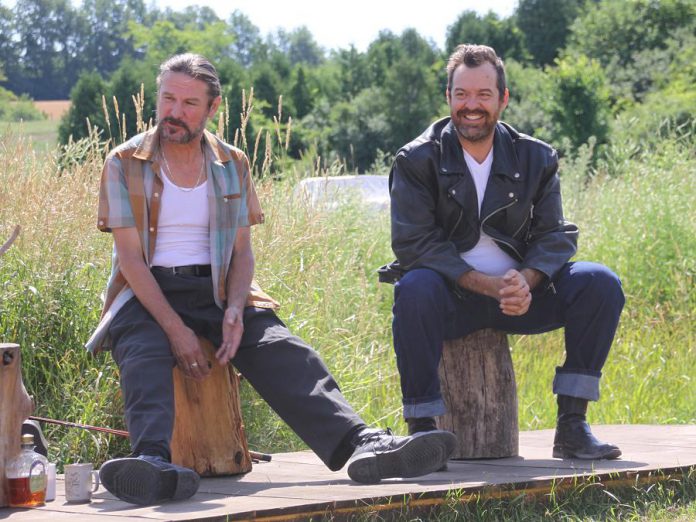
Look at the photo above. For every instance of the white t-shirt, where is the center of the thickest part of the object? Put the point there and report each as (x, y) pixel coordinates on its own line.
(183, 237)
(486, 256)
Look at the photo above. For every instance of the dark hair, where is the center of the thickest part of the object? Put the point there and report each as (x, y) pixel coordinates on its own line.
(473, 55)
(197, 67)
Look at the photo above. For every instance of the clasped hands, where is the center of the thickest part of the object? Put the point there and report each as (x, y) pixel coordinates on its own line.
(514, 293)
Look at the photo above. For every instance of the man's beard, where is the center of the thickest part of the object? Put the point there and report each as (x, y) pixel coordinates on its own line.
(478, 133)
(188, 135)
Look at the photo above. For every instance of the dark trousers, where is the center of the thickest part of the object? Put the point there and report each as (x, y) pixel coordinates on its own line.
(586, 299)
(283, 369)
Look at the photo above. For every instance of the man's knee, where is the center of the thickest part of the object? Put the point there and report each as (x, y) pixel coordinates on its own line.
(599, 282)
(420, 290)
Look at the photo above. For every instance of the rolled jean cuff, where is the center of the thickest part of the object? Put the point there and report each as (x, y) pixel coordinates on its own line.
(424, 409)
(577, 385)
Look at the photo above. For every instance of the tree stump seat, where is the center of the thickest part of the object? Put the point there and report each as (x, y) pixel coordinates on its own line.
(15, 407)
(478, 386)
(208, 429)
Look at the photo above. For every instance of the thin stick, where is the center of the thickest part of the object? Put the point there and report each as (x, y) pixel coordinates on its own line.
(4, 248)
(122, 433)
(253, 454)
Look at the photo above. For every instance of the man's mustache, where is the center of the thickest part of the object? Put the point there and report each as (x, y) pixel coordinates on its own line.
(176, 121)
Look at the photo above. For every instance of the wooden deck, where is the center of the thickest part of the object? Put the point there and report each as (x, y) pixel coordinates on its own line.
(296, 486)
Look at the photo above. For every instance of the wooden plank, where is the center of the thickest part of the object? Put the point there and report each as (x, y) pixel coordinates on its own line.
(298, 484)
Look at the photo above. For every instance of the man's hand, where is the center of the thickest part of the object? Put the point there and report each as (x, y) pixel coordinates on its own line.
(190, 358)
(232, 330)
(515, 295)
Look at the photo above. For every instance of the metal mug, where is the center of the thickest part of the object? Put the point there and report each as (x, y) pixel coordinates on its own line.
(80, 482)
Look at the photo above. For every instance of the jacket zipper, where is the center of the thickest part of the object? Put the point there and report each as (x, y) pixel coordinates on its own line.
(531, 215)
(500, 240)
(459, 220)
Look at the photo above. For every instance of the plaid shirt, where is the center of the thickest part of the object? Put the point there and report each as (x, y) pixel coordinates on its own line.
(130, 195)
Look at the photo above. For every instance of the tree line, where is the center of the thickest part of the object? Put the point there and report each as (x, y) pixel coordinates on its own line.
(574, 66)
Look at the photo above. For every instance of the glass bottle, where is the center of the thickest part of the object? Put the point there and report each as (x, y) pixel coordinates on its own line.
(26, 476)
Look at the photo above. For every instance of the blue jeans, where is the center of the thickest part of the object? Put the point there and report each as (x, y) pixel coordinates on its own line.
(586, 299)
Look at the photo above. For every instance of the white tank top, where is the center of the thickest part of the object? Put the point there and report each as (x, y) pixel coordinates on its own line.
(182, 232)
(486, 256)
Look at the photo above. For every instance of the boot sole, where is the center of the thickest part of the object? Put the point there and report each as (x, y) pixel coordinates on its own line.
(425, 453)
(560, 452)
(140, 482)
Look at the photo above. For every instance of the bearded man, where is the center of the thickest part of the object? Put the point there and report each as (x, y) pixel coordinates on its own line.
(481, 242)
(180, 204)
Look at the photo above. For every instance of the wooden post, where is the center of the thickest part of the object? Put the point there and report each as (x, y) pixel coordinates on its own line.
(478, 386)
(208, 429)
(15, 407)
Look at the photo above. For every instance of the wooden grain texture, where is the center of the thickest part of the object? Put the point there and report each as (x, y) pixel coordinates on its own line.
(15, 407)
(298, 486)
(208, 429)
(478, 386)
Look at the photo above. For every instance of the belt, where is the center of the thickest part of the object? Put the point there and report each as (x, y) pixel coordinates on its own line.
(191, 270)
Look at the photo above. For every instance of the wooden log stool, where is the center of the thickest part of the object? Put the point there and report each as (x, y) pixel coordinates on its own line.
(480, 394)
(15, 407)
(208, 429)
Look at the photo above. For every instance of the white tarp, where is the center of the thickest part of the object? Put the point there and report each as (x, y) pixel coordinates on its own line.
(331, 191)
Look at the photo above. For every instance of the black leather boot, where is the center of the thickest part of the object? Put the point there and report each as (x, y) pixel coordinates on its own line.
(420, 425)
(573, 439)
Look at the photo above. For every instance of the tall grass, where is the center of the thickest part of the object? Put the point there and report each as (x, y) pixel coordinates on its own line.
(321, 266)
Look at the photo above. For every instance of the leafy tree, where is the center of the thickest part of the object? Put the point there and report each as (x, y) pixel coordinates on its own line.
(501, 34)
(621, 34)
(358, 128)
(581, 100)
(192, 17)
(43, 33)
(544, 24)
(247, 38)
(266, 83)
(531, 92)
(86, 98)
(106, 23)
(126, 83)
(411, 94)
(300, 93)
(303, 48)
(7, 49)
(354, 74)
(381, 54)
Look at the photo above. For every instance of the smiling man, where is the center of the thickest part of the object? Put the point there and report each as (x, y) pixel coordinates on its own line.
(180, 203)
(481, 242)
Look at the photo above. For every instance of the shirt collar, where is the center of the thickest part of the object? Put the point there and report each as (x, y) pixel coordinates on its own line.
(149, 146)
(504, 158)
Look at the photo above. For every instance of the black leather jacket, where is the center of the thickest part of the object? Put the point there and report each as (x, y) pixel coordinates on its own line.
(434, 207)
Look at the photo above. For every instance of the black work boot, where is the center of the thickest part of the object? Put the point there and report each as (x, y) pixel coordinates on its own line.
(147, 480)
(379, 454)
(420, 425)
(573, 439)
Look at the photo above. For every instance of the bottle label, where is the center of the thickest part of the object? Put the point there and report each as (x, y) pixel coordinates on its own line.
(37, 483)
(37, 478)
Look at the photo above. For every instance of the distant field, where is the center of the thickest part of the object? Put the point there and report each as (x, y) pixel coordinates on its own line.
(54, 109)
(42, 133)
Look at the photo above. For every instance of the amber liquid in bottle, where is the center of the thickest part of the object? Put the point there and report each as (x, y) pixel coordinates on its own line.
(26, 476)
(21, 494)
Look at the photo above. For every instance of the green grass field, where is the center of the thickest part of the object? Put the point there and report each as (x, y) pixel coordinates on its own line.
(42, 133)
(321, 267)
